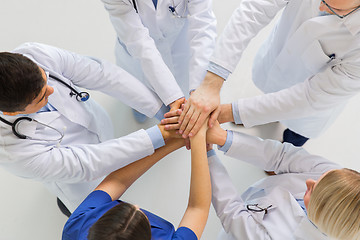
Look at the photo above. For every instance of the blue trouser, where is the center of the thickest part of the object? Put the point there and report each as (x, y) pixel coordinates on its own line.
(294, 138)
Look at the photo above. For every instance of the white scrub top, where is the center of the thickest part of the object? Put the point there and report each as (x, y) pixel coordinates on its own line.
(310, 64)
(169, 54)
(88, 151)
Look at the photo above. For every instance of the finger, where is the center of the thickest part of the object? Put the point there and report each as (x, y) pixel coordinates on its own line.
(214, 116)
(187, 143)
(170, 120)
(184, 113)
(192, 122)
(184, 123)
(173, 113)
(199, 122)
(172, 127)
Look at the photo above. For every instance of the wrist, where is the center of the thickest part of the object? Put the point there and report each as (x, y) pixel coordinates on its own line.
(226, 113)
(212, 80)
(221, 137)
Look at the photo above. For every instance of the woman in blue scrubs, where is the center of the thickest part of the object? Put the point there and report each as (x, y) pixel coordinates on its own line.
(102, 216)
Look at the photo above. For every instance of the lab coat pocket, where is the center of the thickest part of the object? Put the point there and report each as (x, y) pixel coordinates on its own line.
(314, 58)
(176, 18)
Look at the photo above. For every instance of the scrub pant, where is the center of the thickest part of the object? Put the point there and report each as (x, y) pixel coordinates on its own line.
(294, 138)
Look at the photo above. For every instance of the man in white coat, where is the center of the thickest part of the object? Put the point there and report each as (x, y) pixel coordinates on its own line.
(65, 143)
(164, 43)
(308, 68)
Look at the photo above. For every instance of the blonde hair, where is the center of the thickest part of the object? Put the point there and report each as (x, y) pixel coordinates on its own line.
(334, 205)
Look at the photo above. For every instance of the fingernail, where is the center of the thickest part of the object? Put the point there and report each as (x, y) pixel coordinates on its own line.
(181, 131)
(184, 136)
(190, 135)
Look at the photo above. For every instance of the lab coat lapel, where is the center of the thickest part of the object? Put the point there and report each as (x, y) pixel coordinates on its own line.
(68, 106)
(307, 230)
(352, 22)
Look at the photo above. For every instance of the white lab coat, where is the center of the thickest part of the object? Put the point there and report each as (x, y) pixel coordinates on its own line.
(88, 151)
(308, 88)
(285, 219)
(167, 53)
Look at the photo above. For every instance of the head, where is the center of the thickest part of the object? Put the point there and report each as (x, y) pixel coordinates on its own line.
(340, 8)
(123, 222)
(333, 203)
(23, 85)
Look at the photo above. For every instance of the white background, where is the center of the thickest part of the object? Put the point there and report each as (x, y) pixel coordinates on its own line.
(28, 211)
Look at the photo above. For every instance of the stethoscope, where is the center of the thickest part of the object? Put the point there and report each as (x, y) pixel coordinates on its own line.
(80, 96)
(172, 9)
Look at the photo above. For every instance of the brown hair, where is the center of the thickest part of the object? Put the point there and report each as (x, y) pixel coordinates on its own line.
(122, 222)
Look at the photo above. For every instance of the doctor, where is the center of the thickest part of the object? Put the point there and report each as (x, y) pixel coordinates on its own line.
(59, 139)
(164, 43)
(309, 195)
(308, 68)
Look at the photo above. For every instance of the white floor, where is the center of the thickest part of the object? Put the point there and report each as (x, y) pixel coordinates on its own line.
(28, 211)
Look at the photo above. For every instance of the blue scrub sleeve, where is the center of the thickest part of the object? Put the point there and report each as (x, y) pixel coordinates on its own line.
(184, 233)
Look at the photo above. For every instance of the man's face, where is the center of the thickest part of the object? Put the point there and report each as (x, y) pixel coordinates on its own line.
(340, 7)
(40, 100)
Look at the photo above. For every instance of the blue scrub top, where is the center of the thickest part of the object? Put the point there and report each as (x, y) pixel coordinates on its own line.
(98, 203)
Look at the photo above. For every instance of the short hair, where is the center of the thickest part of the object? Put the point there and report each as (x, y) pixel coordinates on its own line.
(334, 205)
(122, 222)
(21, 82)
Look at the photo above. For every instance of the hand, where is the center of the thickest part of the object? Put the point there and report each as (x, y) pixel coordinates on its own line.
(175, 105)
(170, 122)
(203, 101)
(226, 114)
(216, 135)
(168, 134)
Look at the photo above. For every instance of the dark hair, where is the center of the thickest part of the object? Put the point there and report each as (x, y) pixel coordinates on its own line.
(21, 82)
(122, 222)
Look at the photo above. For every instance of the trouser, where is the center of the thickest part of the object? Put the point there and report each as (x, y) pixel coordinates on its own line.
(294, 138)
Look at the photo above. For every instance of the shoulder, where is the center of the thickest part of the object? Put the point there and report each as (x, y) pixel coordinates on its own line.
(88, 212)
(184, 233)
(42, 54)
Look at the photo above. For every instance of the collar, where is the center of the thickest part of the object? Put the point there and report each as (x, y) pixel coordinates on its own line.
(352, 22)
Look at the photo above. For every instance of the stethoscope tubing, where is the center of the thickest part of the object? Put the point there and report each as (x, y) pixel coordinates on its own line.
(80, 96)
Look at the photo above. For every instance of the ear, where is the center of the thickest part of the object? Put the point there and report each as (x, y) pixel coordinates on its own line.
(11, 113)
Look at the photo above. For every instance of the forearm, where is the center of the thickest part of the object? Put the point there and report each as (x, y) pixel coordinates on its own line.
(120, 180)
(200, 186)
(272, 155)
(202, 36)
(246, 21)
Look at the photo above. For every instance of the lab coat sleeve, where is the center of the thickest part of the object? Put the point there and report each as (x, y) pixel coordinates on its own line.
(229, 206)
(202, 36)
(246, 21)
(78, 162)
(326, 90)
(140, 45)
(272, 155)
(95, 74)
